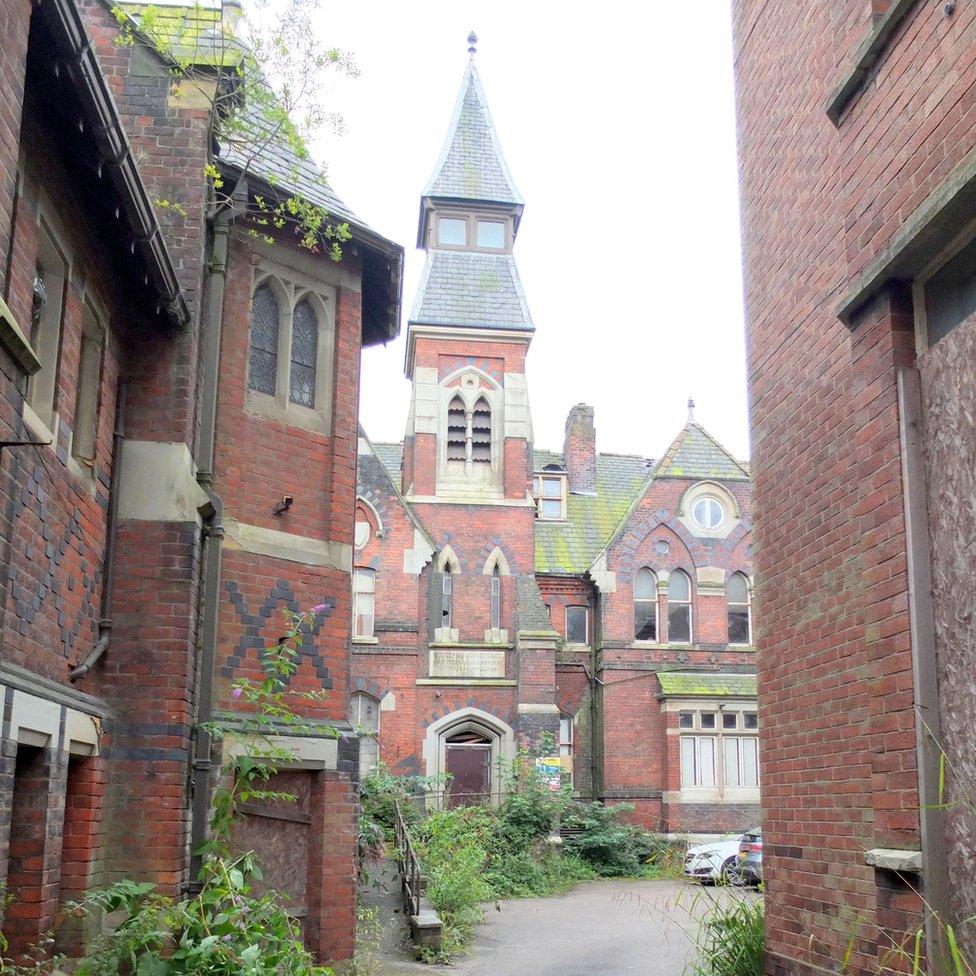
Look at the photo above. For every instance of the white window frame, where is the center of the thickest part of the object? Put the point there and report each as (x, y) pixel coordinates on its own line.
(657, 608)
(369, 745)
(748, 607)
(586, 612)
(363, 591)
(689, 603)
(541, 476)
(291, 287)
(693, 789)
(565, 744)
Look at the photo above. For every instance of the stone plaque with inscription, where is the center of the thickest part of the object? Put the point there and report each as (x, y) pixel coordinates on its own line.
(456, 663)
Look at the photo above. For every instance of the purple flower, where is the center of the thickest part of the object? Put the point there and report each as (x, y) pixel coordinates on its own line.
(321, 608)
(236, 693)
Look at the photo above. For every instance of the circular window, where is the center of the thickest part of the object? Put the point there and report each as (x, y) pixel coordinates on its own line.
(661, 547)
(362, 534)
(708, 513)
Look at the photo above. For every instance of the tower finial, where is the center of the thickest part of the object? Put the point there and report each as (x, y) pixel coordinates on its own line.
(691, 410)
(472, 44)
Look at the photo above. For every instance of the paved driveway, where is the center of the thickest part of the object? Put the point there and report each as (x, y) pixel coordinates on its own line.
(602, 928)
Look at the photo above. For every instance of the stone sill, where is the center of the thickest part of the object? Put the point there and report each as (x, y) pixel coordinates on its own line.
(905, 862)
(15, 341)
(458, 645)
(365, 640)
(868, 54)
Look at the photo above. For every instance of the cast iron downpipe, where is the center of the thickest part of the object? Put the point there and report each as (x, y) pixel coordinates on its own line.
(108, 562)
(213, 531)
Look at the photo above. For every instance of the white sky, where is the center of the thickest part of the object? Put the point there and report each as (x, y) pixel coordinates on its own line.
(617, 122)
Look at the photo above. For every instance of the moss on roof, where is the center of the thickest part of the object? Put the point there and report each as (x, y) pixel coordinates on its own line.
(696, 454)
(700, 685)
(570, 547)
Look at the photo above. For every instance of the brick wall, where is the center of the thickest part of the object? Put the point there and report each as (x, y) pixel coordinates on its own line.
(834, 634)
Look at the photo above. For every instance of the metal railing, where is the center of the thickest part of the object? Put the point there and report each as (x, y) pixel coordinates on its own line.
(414, 883)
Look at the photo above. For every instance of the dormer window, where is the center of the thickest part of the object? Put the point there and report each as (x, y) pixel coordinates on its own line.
(550, 497)
(452, 231)
(491, 234)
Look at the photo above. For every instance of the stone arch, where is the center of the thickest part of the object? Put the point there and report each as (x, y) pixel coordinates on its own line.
(500, 735)
(373, 513)
(496, 558)
(447, 558)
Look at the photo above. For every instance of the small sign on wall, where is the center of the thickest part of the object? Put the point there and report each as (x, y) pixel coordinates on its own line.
(550, 771)
(466, 664)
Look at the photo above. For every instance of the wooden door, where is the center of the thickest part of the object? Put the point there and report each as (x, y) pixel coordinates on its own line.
(470, 766)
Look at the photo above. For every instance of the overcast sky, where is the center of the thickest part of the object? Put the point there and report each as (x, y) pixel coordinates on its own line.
(617, 122)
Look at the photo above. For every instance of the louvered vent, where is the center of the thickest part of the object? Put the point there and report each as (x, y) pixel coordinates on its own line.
(481, 432)
(456, 434)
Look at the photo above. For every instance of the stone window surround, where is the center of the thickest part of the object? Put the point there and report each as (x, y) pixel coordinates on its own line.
(720, 793)
(709, 489)
(474, 384)
(290, 287)
(43, 429)
(471, 218)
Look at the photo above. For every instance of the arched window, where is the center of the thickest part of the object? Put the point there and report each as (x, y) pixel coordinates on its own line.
(446, 597)
(645, 605)
(496, 598)
(263, 362)
(365, 718)
(304, 354)
(737, 595)
(456, 431)
(679, 608)
(481, 432)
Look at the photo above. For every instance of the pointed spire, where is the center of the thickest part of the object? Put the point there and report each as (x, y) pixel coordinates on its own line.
(471, 165)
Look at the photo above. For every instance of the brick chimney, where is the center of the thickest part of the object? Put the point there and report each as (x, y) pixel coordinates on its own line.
(579, 450)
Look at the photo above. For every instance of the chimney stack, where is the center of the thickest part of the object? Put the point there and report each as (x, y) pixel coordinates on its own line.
(579, 450)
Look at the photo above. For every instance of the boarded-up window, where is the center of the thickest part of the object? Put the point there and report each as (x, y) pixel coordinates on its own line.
(365, 718)
(363, 597)
(87, 388)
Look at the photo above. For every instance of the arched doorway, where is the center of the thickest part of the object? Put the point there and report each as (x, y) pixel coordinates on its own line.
(471, 745)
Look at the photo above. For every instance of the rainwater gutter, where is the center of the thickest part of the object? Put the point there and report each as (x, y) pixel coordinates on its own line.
(108, 563)
(212, 513)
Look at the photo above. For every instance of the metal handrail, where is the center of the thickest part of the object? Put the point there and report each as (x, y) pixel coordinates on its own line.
(414, 883)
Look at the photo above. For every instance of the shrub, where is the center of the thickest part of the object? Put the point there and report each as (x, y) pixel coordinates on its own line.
(611, 848)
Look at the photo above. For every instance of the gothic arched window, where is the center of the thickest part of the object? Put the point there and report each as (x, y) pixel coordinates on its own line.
(263, 360)
(496, 598)
(304, 354)
(737, 595)
(679, 608)
(645, 605)
(446, 597)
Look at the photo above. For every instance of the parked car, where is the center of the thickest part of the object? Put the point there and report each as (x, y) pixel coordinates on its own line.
(711, 862)
(747, 869)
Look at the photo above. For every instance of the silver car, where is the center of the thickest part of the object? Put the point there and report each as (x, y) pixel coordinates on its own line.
(711, 862)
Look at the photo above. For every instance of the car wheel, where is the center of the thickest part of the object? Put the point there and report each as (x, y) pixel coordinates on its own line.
(725, 877)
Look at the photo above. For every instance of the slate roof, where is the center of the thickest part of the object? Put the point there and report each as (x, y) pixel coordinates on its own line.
(195, 34)
(696, 454)
(471, 289)
(392, 457)
(698, 684)
(570, 547)
(471, 165)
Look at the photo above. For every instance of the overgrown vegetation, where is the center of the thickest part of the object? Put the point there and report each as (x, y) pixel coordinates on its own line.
(729, 939)
(477, 854)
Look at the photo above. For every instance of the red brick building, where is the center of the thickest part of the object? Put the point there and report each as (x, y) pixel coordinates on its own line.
(858, 178)
(504, 592)
(167, 383)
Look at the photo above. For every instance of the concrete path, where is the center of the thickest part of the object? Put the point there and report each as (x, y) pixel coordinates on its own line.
(602, 928)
